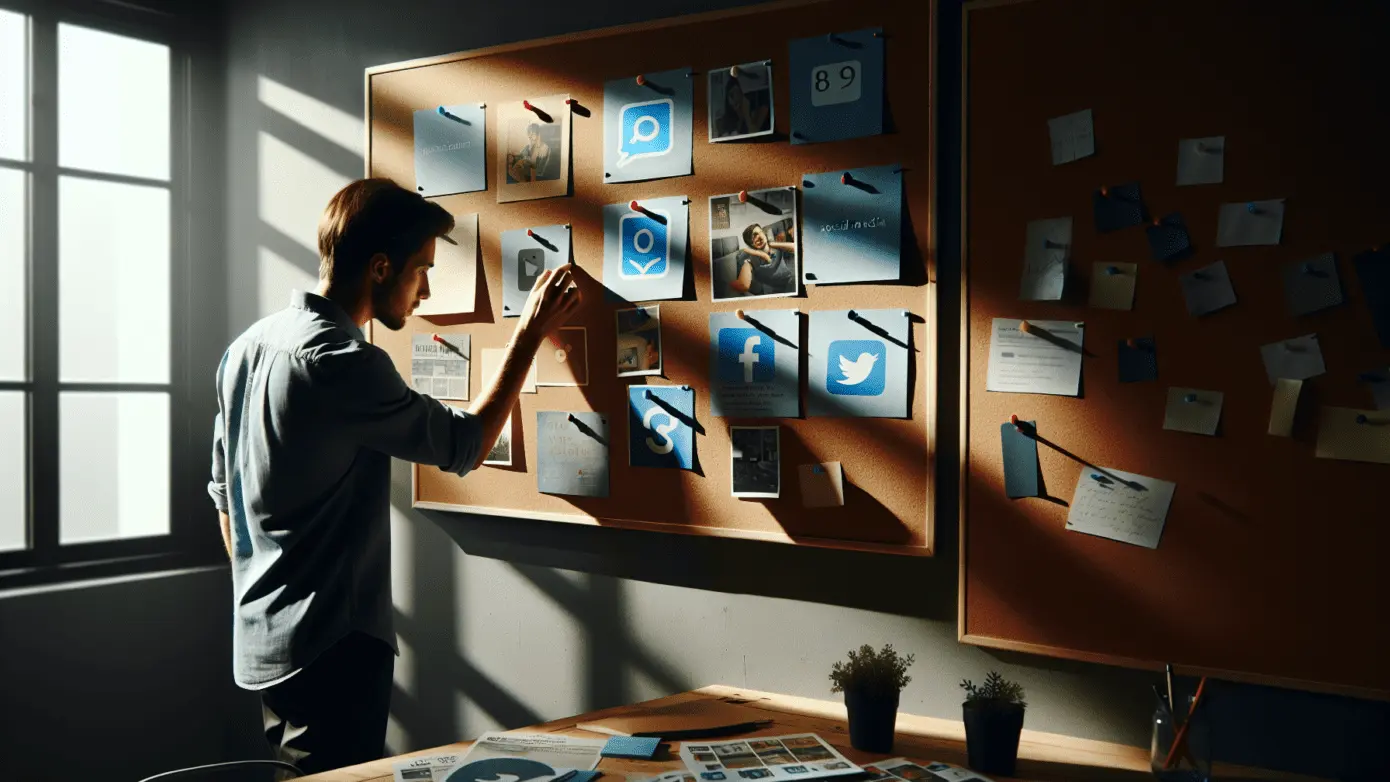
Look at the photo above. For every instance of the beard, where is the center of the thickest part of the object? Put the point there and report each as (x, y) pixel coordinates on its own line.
(384, 305)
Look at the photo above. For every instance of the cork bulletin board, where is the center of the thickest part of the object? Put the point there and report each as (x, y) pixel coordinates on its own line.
(888, 463)
(1271, 564)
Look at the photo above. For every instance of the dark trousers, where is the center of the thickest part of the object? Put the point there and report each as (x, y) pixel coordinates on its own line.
(333, 713)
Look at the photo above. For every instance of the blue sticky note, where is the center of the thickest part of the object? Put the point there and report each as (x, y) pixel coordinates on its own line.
(851, 225)
(661, 426)
(573, 453)
(837, 86)
(1118, 206)
(450, 154)
(1020, 460)
(1373, 269)
(1168, 239)
(642, 748)
(858, 363)
(644, 251)
(1140, 362)
(647, 127)
(755, 364)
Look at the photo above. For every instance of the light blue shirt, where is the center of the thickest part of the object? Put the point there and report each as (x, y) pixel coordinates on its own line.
(309, 416)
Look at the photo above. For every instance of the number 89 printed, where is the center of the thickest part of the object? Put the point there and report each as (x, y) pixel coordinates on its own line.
(835, 83)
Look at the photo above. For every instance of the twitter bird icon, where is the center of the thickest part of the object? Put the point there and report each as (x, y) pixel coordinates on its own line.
(856, 367)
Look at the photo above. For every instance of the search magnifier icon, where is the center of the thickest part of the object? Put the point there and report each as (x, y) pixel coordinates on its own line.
(638, 137)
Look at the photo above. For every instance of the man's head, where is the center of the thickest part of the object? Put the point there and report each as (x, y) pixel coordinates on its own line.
(533, 133)
(376, 239)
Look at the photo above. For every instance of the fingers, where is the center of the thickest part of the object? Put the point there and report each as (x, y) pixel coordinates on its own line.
(562, 277)
(542, 279)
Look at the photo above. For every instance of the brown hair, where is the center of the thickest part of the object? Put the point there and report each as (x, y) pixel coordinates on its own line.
(373, 216)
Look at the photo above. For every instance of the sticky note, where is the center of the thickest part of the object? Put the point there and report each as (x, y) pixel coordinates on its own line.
(836, 85)
(1112, 285)
(822, 485)
(1072, 136)
(1020, 460)
(631, 747)
(573, 453)
(1046, 254)
(1299, 358)
(1354, 435)
(1373, 270)
(644, 251)
(852, 229)
(1284, 407)
(1118, 206)
(450, 153)
(1120, 506)
(1138, 362)
(661, 426)
(858, 363)
(1201, 161)
(1379, 381)
(1312, 285)
(1250, 223)
(1207, 289)
(1045, 359)
(648, 127)
(1193, 410)
(1168, 238)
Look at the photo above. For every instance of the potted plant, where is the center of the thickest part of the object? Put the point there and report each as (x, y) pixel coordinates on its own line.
(872, 681)
(993, 721)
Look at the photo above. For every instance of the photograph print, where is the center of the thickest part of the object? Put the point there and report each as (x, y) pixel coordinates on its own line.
(639, 341)
(753, 249)
(533, 148)
(501, 453)
(757, 471)
(740, 101)
(533, 151)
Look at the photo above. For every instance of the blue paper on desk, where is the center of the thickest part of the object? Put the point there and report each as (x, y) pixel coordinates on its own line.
(631, 747)
(1020, 460)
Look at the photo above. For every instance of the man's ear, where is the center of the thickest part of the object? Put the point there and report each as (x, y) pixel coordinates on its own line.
(379, 268)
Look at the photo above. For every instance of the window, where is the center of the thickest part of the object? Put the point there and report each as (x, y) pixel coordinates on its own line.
(91, 115)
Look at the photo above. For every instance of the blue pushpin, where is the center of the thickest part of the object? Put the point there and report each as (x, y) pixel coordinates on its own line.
(1189, 398)
(443, 112)
(1251, 208)
(1362, 419)
(1098, 477)
(1112, 270)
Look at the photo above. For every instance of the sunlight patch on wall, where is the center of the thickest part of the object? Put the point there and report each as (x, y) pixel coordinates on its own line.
(333, 124)
(293, 188)
(275, 278)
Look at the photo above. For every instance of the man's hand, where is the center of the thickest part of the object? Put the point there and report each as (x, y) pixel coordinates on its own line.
(554, 299)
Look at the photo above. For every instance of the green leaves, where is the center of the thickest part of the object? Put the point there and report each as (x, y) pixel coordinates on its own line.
(996, 690)
(877, 671)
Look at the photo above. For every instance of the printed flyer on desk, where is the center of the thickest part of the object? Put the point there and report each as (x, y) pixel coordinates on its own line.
(801, 756)
(904, 769)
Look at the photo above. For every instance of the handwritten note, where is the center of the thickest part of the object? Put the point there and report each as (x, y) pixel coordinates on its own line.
(1073, 137)
(1120, 506)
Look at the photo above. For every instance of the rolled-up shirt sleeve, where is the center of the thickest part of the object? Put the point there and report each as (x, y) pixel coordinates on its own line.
(217, 487)
(376, 409)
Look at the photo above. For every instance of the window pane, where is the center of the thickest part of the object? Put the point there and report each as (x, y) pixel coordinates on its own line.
(113, 103)
(13, 441)
(113, 282)
(14, 86)
(113, 465)
(14, 269)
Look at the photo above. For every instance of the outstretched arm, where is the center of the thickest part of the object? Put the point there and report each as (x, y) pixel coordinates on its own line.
(784, 246)
(744, 280)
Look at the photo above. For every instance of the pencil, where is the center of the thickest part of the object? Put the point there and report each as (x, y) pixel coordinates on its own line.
(1180, 741)
(1168, 674)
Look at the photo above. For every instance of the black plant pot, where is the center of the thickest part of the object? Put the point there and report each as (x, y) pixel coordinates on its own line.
(991, 736)
(873, 717)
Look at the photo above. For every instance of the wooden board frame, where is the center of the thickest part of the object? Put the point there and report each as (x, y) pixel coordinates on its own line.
(1014, 644)
(927, 243)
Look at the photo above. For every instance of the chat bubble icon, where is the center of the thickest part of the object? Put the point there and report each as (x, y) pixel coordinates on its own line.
(645, 129)
(646, 243)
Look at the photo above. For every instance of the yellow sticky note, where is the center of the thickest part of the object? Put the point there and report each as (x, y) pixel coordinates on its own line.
(1355, 435)
(1281, 413)
(1112, 285)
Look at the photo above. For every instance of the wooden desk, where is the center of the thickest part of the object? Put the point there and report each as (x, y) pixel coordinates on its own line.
(1042, 757)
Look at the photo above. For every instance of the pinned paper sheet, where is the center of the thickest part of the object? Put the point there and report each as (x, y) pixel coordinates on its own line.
(1193, 410)
(1285, 406)
(1046, 253)
(1118, 206)
(1168, 238)
(492, 364)
(1299, 358)
(1120, 506)
(822, 485)
(1354, 435)
(439, 368)
(1373, 270)
(453, 280)
(1312, 285)
(1073, 137)
(1112, 285)
(526, 254)
(1379, 381)
(1207, 289)
(1020, 460)
(573, 453)
(563, 359)
(1138, 360)
(1250, 223)
(1045, 361)
(1201, 161)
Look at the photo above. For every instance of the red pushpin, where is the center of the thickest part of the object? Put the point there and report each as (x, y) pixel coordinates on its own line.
(740, 315)
(526, 104)
(438, 339)
(1105, 192)
(530, 233)
(1156, 221)
(1025, 327)
(570, 101)
(743, 196)
(845, 178)
(634, 206)
(641, 80)
(1131, 344)
(1013, 419)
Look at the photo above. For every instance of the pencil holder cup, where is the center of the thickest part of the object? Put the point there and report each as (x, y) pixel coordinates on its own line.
(1191, 760)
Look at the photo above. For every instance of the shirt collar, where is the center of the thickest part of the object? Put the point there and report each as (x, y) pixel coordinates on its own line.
(328, 309)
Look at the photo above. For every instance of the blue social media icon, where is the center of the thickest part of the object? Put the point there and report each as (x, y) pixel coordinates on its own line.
(658, 437)
(646, 245)
(745, 356)
(645, 129)
(856, 367)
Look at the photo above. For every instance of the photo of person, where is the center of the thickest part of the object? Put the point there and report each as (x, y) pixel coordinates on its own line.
(753, 252)
(533, 151)
(740, 101)
(757, 470)
(639, 341)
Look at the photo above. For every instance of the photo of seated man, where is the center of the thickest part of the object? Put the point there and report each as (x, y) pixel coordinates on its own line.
(755, 254)
(532, 154)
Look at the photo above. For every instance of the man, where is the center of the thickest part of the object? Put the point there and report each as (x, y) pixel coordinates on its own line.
(309, 417)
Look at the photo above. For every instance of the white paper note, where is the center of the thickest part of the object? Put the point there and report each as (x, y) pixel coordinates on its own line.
(1298, 359)
(1201, 161)
(1120, 506)
(1022, 363)
(1354, 435)
(1073, 137)
(1284, 407)
(1046, 255)
(548, 748)
(453, 280)
(440, 369)
(1250, 223)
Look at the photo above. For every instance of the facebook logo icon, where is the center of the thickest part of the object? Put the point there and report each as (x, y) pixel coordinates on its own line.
(745, 356)
(856, 367)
